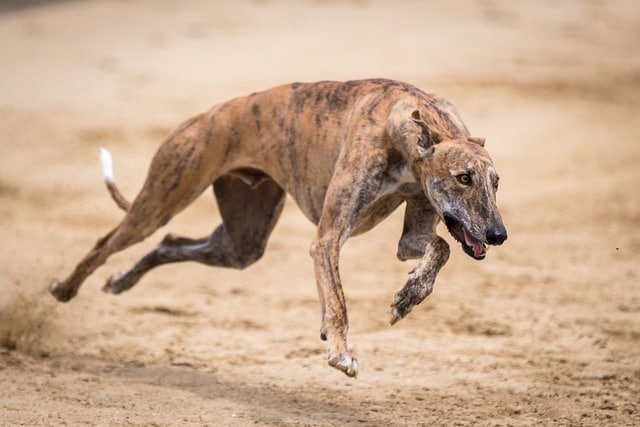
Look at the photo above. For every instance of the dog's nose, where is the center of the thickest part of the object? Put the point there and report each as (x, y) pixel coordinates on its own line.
(496, 235)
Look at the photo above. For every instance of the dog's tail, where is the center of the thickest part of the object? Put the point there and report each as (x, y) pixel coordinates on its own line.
(107, 173)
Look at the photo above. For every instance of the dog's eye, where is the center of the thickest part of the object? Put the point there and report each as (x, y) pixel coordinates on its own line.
(464, 179)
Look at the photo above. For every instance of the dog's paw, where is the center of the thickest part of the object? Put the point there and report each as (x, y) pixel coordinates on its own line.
(345, 363)
(60, 293)
(401, 306)
(417, 288)
(113, 285)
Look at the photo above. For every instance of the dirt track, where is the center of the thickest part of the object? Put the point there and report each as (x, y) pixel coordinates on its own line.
(545, 331)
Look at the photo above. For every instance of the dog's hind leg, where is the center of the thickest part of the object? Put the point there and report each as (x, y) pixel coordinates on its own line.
(121, 237)
(144, 217)
(249, 214)
(177, 176)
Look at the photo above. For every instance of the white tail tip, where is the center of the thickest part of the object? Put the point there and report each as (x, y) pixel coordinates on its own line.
(107, 164)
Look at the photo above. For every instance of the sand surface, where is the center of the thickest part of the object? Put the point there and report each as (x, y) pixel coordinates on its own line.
(545, 331)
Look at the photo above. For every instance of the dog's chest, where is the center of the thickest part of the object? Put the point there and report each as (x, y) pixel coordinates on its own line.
(395, 189)
(398, 180)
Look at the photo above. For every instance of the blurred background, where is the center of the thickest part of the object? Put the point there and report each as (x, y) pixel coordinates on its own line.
(543, 332)
(121, 57)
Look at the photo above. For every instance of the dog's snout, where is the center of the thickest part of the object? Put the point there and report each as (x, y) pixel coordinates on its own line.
(496, 235)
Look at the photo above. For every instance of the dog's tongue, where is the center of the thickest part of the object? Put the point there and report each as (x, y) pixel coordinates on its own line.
(478, 247)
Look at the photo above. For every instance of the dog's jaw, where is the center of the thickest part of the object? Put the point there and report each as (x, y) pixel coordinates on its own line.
(475, 248)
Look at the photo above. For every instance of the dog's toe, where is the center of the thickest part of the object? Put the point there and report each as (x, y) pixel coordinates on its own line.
(345, 363)
(113, 286)
(59, 292)
(399, 311)
(400, 307)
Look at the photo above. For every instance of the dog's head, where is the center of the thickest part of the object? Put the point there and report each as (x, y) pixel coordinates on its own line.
(460, 180)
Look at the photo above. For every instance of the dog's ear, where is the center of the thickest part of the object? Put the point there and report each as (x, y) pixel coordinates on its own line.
(477, 140)
(424, 147)
(426, 139)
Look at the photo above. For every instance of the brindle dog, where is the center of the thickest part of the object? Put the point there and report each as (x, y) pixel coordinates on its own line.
(349, 153)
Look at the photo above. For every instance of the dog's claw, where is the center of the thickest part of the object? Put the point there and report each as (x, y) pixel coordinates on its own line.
(417, 288)
(60, 293)
(345, 363)
(399, 309)
(112, 286)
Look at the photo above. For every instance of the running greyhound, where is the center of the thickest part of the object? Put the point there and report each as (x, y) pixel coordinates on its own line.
(348, 153)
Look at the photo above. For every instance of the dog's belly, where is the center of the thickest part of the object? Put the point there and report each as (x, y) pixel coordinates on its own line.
(369, 218)
(311, 202)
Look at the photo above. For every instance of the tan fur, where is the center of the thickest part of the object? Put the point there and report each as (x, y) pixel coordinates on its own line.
(349, 153)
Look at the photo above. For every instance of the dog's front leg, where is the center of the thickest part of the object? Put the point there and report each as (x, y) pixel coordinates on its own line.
(421, 279)
(325, 252)
(355, 185)
(419, 241)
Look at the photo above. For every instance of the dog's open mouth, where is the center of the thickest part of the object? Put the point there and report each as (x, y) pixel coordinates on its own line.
(471, 246)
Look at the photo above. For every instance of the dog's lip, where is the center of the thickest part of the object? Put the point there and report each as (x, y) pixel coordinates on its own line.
(473, 247)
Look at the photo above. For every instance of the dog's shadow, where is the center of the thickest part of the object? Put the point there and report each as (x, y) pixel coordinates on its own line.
(270, 403)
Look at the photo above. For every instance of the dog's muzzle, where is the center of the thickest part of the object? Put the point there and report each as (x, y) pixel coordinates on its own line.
(471, 245)
(496, 235)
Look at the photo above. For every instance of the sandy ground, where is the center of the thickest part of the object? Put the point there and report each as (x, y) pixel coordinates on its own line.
(545, 331)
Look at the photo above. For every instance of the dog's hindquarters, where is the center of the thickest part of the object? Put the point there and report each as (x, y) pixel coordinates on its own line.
(162, 197)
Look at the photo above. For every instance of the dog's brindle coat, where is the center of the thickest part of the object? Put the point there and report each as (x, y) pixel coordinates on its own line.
(349, 153)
